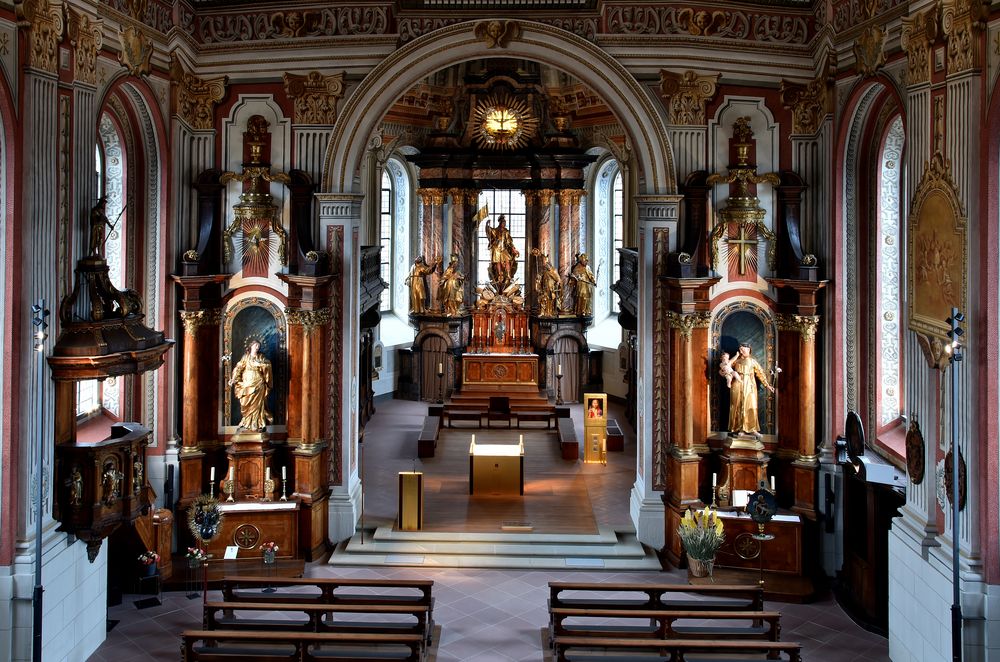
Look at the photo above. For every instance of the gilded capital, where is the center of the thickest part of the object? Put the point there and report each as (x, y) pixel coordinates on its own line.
(919, 33)
(497, 34)
(687, 322)
(869, 50)
(571, 197)
(961, 22)
(809, 104)
(431, 196)
(804, 324)
(195, 319)
(86, 38)
(310, 320)
(315, 96)
(194, 99)
(686, 95)
(43, 21)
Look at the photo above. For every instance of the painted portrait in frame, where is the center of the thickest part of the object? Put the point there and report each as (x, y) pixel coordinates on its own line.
(937, 252)
(595, 408)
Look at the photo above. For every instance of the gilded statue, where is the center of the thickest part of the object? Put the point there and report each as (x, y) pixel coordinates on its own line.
(583, 277)
(743, 393)
(417, 282)
(451, 288)
(251, 382)
(99, 221)
(548, 286)
(503, 254)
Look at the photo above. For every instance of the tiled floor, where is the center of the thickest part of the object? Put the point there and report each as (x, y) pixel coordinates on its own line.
(484, 615)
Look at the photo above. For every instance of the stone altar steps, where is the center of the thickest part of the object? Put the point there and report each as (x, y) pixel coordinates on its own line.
(607, 549)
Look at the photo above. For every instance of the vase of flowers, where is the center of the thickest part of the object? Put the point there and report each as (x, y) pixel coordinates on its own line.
(270, 550)
(701, 535)
(147, 563)
(195, 557)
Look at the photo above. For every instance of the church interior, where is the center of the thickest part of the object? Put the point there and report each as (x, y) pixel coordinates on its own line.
(503, 295)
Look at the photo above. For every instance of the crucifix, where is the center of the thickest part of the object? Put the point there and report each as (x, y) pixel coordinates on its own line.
(744, 244)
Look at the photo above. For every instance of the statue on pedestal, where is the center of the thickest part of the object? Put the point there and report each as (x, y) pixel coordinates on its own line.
(548, 286)
(583, 297)
(252, 382)
(99, 221)
(503, 254)
(451, 288)
(417, 282)
(743, 393)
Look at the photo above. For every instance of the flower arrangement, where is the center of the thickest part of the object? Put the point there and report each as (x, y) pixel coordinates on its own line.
(196, 554)
(701, 533)
(269, 547)
(149, 558)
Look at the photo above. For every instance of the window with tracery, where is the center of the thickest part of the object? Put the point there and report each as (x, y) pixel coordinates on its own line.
(890, 241)
(387, 212)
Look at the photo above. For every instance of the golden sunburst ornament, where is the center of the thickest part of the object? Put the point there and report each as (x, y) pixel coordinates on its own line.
(504, 122)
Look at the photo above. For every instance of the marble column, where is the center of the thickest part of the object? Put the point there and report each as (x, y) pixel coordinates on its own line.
(432, 236)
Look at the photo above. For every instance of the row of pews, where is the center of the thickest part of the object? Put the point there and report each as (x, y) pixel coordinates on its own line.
(267, 619)
(604, 621)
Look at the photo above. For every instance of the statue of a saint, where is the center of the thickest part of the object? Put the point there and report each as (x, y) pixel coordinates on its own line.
(98, 221)
(450, 288)
(548, 287)
(417, 281)
(583, 290)
(251, 382)
(743, 393)
(503, 254)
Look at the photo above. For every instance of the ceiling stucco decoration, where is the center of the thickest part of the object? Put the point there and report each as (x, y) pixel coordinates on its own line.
(497, 34)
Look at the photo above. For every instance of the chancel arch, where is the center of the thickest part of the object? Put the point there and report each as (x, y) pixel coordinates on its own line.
(347, 191)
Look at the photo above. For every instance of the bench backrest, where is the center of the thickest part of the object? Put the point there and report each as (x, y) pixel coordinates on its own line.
(329, 590)
(261, 646)
(656, 596)
(677, 648)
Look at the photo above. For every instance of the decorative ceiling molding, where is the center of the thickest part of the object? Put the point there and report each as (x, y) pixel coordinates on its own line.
(497, 34)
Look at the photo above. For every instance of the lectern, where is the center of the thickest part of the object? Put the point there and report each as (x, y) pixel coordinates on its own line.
(411, 501)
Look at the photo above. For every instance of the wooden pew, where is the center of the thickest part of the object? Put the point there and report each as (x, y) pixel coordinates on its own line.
(384, 618)
(257, 646)
(427, 441)
(594, 649)
(455, 414)
(333, 591)
(712, 597)
(665, 624)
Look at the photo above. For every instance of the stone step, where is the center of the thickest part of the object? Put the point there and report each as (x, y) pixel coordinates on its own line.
(604, 550)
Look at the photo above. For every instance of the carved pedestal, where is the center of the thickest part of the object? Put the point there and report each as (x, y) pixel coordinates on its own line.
(249, 456)
(744, 465)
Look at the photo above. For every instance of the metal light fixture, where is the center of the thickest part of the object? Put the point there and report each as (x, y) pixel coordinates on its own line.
(954, 349)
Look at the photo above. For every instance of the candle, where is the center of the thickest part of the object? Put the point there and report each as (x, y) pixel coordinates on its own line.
(211, 474)
(772, 483)
(284, 473)
(473, 439)
(267, 474)
(440, 368)
(559, 370)
(230, 473)
(713, 479)
(520, 439)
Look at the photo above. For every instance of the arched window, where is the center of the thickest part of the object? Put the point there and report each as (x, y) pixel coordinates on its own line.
(889, 236)
(387, 211)
(608, 234)
(510, 203)
(394, 235)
